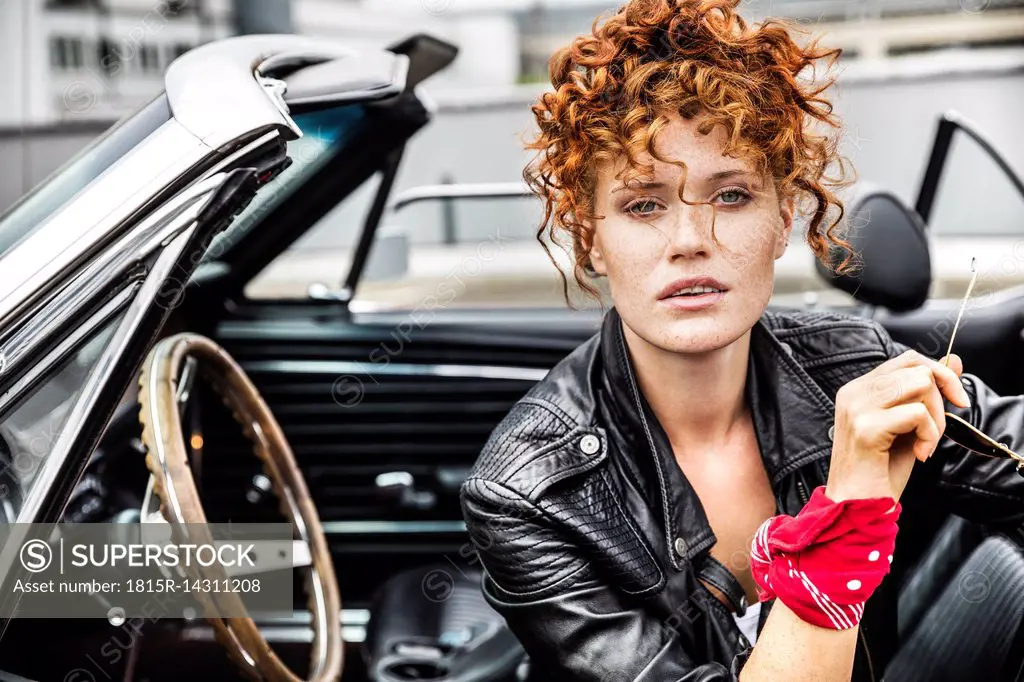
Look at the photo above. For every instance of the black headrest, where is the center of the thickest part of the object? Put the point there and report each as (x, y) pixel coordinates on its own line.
(894, 266)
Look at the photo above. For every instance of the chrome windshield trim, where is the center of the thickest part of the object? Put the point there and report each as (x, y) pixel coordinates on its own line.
(68, 236)
(119, 342)
(162, 225)
(229, 162)
(214, 90)
(77, 335)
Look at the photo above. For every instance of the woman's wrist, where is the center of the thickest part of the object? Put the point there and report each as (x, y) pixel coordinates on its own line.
(860, 488)
(826, 562)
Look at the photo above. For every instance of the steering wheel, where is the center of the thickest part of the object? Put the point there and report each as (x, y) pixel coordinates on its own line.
(174, 486)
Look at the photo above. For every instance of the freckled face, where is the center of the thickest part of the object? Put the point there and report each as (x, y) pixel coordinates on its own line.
(650, 244)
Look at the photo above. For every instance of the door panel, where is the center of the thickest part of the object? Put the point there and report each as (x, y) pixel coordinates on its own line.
(385, 419)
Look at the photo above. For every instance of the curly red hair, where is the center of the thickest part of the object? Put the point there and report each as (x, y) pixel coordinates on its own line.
(614, 89)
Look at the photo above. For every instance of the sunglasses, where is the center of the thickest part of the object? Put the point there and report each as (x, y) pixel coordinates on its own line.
(959, 430)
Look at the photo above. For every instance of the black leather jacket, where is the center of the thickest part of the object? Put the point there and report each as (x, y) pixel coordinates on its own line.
(594, 544)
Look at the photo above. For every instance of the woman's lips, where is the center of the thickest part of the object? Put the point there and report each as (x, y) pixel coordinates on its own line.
(693, 302)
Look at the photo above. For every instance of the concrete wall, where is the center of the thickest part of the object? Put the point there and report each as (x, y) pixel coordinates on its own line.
(889, 127)
(30, 156)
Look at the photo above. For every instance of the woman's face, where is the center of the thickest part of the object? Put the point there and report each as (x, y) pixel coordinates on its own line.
(653, 247)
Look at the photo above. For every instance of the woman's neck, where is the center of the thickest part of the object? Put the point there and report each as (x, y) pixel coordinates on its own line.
(697, 398)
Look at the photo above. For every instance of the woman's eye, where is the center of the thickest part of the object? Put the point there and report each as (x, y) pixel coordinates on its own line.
(732, 197)
(642, 207)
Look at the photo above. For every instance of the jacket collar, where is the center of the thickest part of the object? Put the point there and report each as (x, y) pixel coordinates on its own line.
(791, 415)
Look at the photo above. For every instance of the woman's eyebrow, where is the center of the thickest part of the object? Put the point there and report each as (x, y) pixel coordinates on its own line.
(724, 174)
(638, 185)
(714, 177)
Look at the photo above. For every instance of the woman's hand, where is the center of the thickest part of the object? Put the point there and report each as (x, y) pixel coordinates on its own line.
(888, 418)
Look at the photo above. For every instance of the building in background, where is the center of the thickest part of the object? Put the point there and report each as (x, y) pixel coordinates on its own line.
(77, 65)
(95, 59)
(865, 29)
(73, 60)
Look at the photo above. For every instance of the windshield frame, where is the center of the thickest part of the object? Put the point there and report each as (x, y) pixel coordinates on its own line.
(938, 158)
(389, 125)
(77, 175)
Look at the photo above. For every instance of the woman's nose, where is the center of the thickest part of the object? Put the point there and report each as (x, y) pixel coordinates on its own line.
(691, 230)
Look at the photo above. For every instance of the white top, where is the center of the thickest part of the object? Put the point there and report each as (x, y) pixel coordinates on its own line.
(748, 622)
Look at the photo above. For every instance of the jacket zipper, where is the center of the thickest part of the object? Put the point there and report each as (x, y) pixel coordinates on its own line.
(802, 490)
(654, 454)
(867, 652)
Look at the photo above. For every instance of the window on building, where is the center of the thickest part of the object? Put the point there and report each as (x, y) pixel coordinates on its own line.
(149, 58)
(109, 57)
(73, 4)
(176, 50)
(179, 6)
(76, 50)
(67, 53)
(58, 59)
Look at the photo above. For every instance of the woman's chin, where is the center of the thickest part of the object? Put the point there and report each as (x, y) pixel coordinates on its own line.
(695, 336)
(690, 343)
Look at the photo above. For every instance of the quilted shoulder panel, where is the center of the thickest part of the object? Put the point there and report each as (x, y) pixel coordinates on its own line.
(834, 348)
(544, 512)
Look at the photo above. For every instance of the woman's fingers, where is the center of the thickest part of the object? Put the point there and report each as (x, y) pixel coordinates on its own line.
(956, 364)
(916, 383)
(944, 377)
(912, 418)
(889, 417)
(932, 401)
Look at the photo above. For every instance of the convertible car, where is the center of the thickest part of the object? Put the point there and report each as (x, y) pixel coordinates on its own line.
(141, 383)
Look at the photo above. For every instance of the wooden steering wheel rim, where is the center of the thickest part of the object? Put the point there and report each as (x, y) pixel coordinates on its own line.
(167, 460)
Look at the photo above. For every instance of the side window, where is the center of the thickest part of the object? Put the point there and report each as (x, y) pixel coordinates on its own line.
(468, 252)
(975, 197)
(322, 256)
(30, 429)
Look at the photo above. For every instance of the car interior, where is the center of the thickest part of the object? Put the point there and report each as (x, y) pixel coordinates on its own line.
(386, 415)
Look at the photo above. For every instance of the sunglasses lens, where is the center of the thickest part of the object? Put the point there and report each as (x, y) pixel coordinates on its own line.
(962, 433)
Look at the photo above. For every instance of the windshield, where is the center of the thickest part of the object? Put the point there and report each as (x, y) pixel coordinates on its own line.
(325, 134)
(62, 185)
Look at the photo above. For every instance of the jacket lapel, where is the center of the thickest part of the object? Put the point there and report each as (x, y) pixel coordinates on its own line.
(791, 414)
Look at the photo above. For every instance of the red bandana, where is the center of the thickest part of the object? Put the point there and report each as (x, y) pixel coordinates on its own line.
(826, 561)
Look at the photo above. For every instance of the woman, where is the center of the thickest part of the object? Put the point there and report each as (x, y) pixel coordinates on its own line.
(614, 508)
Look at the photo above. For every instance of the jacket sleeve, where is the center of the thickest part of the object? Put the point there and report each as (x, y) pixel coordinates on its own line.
(574, 625)
(978, 488)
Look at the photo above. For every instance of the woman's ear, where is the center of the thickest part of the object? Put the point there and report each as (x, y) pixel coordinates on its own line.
(596, 253)
(787, 207)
